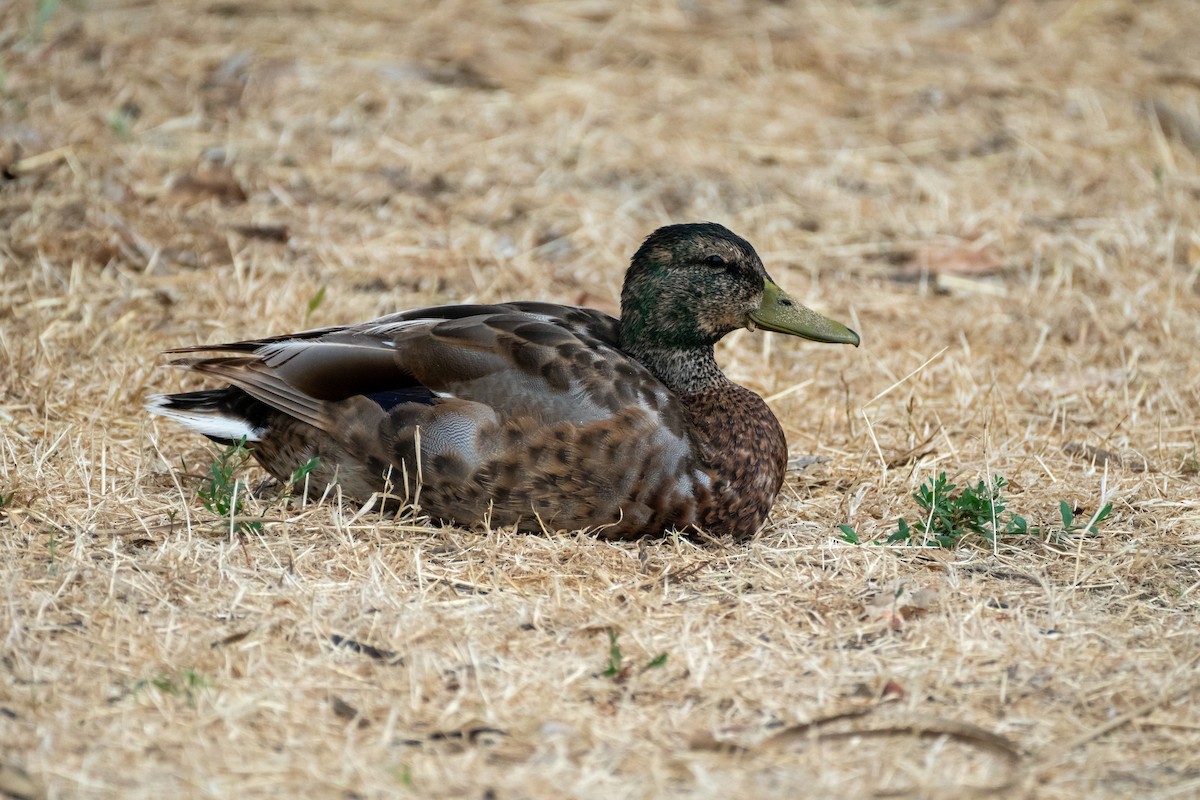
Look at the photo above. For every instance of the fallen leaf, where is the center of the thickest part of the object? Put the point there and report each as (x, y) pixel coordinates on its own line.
(900, 603)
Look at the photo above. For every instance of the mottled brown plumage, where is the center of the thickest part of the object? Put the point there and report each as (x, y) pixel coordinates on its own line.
(543, 416)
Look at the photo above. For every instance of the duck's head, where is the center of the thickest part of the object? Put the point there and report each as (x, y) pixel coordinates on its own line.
(689, 285)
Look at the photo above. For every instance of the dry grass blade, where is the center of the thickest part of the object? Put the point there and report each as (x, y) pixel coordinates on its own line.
(1179, 124)
(16, 783)
(1188, 683)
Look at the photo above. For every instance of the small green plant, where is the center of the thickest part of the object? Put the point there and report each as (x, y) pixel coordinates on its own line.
(1070, 525)
(304, 470)
(298, 482)
(403, 773)
(223, 493)
(949, 517)
(186, 684)
(120, 123)
(314, 303)
(618, 668)
(616, 661)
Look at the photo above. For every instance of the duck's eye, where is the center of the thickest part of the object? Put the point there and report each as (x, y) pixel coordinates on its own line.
(714, 261)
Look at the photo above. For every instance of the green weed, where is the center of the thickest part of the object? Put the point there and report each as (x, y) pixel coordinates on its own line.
(314, 303)
(223, 494)
(659, 660)
(1070, 525)
(403, 774)
(616, 661)
(186, 684)
(618, 668)
(950, 515)
(304, 470)
(121, 124)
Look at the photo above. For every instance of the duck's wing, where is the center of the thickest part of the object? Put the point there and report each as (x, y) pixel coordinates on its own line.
(553, 363)
(523, 413)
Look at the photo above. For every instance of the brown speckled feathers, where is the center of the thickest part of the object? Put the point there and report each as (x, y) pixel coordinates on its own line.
(544, 416)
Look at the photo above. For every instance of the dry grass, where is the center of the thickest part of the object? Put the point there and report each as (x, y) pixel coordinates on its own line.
(1010, 193)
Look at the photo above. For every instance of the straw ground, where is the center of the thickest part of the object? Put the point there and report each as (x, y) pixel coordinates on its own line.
(1004, 199)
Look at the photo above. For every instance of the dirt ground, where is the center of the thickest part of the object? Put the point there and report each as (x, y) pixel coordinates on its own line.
(1003, 199)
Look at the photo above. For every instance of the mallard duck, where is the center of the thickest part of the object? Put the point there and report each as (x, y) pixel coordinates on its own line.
(530, 414)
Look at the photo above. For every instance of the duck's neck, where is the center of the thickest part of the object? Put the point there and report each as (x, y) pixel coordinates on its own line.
(685, 372)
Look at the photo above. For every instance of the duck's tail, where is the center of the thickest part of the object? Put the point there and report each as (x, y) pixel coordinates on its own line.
(226, 416)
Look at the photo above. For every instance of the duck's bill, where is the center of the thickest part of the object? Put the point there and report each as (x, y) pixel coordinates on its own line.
(782, 314)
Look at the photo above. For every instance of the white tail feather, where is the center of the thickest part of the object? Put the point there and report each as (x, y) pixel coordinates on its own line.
(212, 424)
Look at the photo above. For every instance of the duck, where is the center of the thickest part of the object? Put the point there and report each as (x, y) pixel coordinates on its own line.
(528, 414)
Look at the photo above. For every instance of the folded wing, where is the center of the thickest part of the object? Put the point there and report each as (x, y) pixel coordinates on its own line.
(519, 410)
